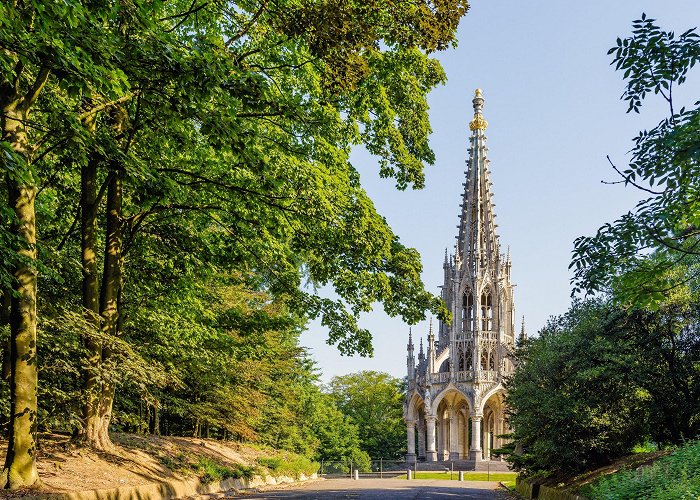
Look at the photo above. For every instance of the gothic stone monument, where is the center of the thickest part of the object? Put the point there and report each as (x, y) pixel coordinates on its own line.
(455, 393)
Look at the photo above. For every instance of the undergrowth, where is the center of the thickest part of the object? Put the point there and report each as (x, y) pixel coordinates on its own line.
(674, 477)
(209, 471)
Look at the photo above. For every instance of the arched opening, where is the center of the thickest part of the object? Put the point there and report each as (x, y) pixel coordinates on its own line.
(467, 311)
(451, 426)
(495, 424)
(486, 311)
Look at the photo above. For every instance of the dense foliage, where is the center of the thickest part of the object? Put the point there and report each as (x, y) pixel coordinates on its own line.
(178, 181)
(600, 380)
(664, 167)
(571, 405)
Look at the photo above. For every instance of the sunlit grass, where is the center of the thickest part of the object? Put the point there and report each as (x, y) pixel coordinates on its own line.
(669, 478)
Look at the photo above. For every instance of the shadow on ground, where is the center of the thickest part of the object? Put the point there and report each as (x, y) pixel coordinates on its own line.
(384, 489)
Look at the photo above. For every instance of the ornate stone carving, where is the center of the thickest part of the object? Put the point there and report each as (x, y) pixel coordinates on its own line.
(481, 332)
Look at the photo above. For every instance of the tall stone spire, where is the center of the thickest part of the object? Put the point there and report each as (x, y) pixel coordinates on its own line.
(477, 242)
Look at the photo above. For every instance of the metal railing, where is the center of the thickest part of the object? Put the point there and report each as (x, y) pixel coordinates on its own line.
(381, 468)
(392, 468)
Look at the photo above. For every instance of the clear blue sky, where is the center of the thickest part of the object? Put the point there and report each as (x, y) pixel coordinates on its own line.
(554, 113)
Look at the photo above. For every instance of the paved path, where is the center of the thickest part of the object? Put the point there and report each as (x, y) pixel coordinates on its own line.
(385, 489)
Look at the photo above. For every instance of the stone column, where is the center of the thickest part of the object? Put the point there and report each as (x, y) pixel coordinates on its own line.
(475, 450)
(410, 441)
(443, 436)
(421, 438)
(487, 445)
(454, 436)
(430, 454)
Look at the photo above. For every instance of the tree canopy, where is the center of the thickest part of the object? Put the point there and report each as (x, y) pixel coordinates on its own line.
(664, 167)
(374, 402)
(159, 156)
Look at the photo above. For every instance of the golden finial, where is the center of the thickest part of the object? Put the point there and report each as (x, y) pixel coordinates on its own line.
(478, 123)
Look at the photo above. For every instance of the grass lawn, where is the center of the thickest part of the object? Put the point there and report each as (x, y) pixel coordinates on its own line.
(469, 476)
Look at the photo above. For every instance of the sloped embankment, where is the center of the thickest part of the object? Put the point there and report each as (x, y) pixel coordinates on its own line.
(141, 459)
(671, 477)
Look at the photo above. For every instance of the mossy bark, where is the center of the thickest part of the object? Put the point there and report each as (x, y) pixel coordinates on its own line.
(90, 295)
(20, 463)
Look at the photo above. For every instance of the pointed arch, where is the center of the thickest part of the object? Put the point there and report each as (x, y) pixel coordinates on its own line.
(484, 400)
(450, 389)
(414, 405)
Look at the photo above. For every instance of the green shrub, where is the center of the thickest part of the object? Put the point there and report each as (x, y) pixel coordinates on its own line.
(210, 471)
(271, 463)
(675, 477)
(289, 464)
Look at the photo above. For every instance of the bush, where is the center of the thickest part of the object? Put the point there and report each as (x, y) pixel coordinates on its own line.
(674, 477)
(289, 464)
(210, 471)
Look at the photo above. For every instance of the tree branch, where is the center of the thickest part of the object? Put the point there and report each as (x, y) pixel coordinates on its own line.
(39, 83)
(250, 24)
(101, 107)
(628, 180)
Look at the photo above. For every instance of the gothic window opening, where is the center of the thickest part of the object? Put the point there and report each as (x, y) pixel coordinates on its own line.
(486, 311)
(468, 311)
(492, 360)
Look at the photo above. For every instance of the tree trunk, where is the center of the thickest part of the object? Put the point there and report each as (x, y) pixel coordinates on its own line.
(90, 292)
(109, 304)
(156, 420)
(5, 309)
(20, 463)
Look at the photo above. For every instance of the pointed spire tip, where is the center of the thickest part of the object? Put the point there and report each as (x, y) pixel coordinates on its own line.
(478, 123)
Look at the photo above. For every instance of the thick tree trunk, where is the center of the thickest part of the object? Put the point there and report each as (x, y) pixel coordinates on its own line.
(20, 463)
(90, 298)
(109, 304)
